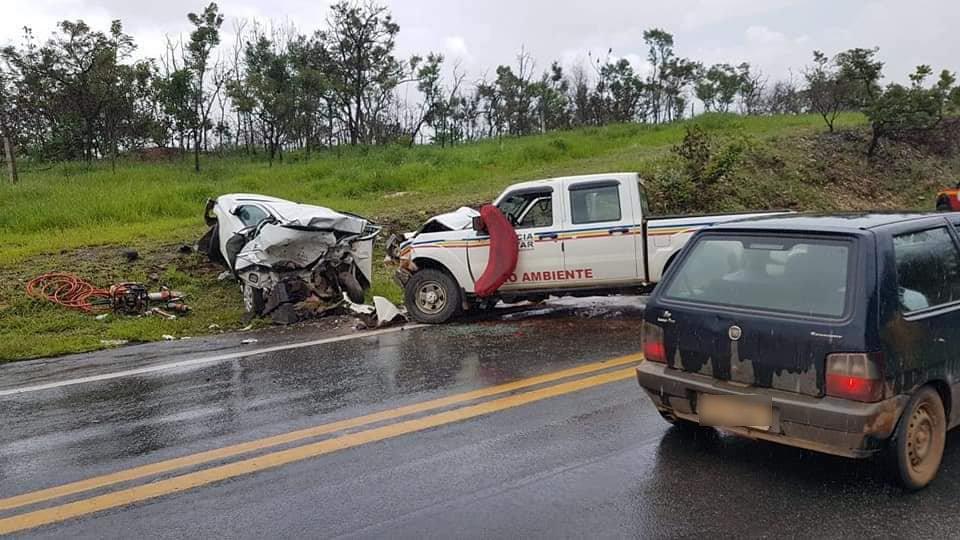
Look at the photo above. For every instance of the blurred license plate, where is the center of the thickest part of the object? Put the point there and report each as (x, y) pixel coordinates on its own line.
(755, 412)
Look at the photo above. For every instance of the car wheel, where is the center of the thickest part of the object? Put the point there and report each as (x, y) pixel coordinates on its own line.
(919, 440)
(432, 296)
(253, 300)
(944, 206)
(352, 287)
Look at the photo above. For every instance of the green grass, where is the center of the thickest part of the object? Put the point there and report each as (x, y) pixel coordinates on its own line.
(75, 217)
(73, 206)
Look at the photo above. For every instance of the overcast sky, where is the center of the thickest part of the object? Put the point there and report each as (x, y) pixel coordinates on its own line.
(775, 35)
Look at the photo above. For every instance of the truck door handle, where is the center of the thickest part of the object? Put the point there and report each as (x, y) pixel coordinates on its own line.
(548, 236)
(619, 230)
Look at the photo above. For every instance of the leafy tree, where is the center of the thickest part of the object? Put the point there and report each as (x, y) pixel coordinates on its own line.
(659, 55)
(428, 83)
(270, 77)
(861, 72)
(7, 123)
(717, 87)
(203, 40)
(360, 40)
(827, 89)
(914, 112)
(626, 91)
(553, 103)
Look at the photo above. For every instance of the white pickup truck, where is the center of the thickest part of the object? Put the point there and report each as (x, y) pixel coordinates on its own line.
(578, 236)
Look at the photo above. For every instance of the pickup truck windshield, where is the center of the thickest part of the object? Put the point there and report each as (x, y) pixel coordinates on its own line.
(771, 273)
(528, 208)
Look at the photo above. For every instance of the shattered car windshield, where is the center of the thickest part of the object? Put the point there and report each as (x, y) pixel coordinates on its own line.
(515, 204)
(251, 215)
(789, 275)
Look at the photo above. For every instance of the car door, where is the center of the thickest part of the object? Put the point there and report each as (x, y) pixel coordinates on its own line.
(532, 211)
(599, 248)
(925, 333)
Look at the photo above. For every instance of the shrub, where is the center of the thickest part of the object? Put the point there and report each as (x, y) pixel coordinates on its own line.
(703, 166)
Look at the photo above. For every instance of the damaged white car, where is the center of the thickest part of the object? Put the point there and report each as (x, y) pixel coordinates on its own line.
(287, 255)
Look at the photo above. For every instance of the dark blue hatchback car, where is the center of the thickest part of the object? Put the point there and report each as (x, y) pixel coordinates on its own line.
(838, 333)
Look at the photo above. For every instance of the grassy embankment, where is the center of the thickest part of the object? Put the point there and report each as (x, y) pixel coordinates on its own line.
(78, 218)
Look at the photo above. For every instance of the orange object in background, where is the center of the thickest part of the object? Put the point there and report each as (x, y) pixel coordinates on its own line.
(948, 200)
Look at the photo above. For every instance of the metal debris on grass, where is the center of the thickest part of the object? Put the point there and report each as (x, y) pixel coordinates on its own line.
(128, 298)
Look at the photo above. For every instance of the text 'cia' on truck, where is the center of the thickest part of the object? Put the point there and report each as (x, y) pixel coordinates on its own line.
(575, 236)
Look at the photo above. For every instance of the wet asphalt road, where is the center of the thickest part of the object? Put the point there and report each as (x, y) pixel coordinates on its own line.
(593, 460)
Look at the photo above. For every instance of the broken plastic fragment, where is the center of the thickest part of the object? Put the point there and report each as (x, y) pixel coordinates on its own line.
(386, 311)
(359, 309)
(248, 341)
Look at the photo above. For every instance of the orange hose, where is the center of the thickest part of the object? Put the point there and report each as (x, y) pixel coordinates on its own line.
(67, 290)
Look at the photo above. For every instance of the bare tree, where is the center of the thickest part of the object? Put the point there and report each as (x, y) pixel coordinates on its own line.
(826, 89)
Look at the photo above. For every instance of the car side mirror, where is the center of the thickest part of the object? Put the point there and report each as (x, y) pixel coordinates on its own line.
(479, 225)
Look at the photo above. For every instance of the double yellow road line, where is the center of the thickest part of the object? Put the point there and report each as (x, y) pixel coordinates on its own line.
(270, 460)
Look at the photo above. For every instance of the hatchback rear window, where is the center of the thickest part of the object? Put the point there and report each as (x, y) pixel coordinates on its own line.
(790, 275)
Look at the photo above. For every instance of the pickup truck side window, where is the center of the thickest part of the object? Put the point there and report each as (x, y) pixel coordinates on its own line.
(250, 215)
(595, 203)
(527, 209)
(928, 269)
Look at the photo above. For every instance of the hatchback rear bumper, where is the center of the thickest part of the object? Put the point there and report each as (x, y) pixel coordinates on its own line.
(830, 425)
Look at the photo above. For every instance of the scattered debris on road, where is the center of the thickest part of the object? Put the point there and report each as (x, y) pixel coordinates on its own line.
(249, 341)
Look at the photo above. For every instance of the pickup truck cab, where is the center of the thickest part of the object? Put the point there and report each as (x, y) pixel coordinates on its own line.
(577, 235)
(838, 334)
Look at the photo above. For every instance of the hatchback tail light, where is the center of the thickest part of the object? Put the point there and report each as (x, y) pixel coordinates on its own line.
(856, 376)
(653, 349)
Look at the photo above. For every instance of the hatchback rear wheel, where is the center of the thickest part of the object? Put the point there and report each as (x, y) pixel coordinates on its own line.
(919, 440)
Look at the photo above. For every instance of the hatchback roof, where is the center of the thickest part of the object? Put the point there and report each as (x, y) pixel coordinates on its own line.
(826, 222)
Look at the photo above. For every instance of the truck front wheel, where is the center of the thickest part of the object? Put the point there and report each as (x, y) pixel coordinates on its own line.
(432, 296)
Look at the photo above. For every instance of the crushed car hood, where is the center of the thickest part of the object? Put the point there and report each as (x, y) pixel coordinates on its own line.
(300, 216)
(459, 219)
